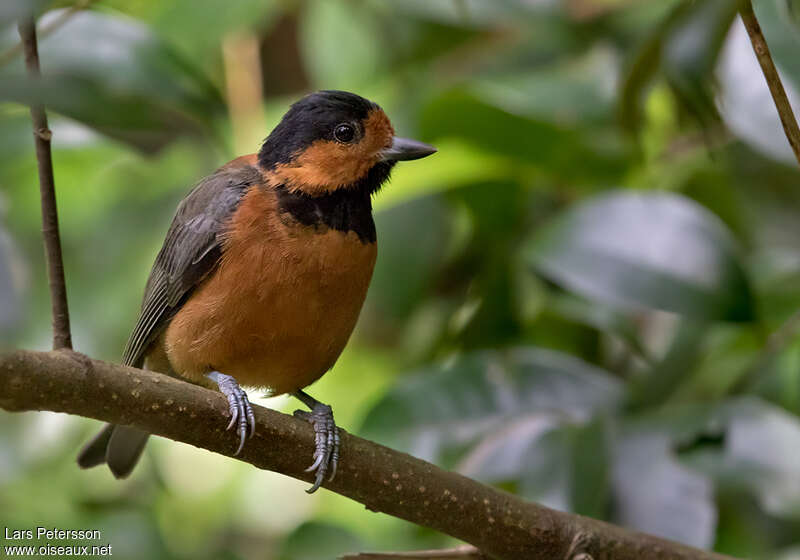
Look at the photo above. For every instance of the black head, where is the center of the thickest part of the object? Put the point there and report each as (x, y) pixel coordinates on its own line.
(334, 139)
(314, 117)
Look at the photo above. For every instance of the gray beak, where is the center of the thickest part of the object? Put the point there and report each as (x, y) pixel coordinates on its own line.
(403, 149)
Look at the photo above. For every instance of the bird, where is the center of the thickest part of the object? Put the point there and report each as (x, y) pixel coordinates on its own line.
(264, 270)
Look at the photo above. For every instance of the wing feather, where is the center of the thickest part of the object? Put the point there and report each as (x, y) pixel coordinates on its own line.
(191, 251)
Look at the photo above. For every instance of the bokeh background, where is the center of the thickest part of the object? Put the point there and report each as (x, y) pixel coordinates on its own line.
(588, 297)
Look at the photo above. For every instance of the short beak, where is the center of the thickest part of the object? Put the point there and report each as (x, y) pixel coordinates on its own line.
(403, 149)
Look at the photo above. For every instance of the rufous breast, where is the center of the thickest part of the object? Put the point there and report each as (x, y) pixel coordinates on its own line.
(281, 305)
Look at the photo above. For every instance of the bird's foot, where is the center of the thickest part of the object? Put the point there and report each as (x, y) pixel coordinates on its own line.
(326, 454)
(238, 404)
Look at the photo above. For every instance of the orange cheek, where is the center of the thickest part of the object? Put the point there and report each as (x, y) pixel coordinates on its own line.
(323, 167)
(326, 165)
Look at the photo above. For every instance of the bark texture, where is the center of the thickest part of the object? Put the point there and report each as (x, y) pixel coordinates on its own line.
(499, 524)
(779, 97)
(52, 241)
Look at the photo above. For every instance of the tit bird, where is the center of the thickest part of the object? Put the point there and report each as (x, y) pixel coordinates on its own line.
(264, 270)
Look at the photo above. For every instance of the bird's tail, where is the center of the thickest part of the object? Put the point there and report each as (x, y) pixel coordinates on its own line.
(118, 446)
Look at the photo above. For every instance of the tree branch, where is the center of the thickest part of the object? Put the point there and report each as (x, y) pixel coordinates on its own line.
(459, 553)
(499, 524)
(771, 75)
(52, 242)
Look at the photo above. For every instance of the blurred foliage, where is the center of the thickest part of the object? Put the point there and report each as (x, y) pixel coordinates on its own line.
(586, 297)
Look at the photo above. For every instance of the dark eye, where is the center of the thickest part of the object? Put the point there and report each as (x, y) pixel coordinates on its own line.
(344, 133)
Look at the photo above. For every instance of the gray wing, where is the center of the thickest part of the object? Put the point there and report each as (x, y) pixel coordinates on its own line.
(191, 251)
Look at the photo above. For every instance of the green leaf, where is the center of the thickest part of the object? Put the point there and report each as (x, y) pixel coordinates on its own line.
(456, 164)
(742, 444)
(562, 465)
(314, 540)
(690, 53)
(440, 409)
(590, 467)
(760, 452)
(680, 361)
(684, 46)
(198, 27)
(405, 266)
(476, 13)
(342, 45)
(571, 93)
(533, 451)
(539, 141)
(765, 442)
(639, 73)
(12, 10)
(496, 214)
(654, 493)
(115, 75)
(654, 250)
(602, 318)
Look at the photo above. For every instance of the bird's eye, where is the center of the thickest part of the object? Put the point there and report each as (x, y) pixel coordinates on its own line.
(344, 133)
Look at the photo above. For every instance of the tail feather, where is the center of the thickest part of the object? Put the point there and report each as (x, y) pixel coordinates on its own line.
(118, 446)
(94, 452)
(124, 449)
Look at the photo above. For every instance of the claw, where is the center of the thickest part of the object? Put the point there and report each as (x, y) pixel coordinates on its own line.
(242, 437)
(335, 456)
(239, 407)
(327, 440)
(251, 418)
(316, 463)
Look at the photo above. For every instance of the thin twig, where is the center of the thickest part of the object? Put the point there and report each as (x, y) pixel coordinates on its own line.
(9, 54)
(52, 241)
(501, 525)
(771, 75)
